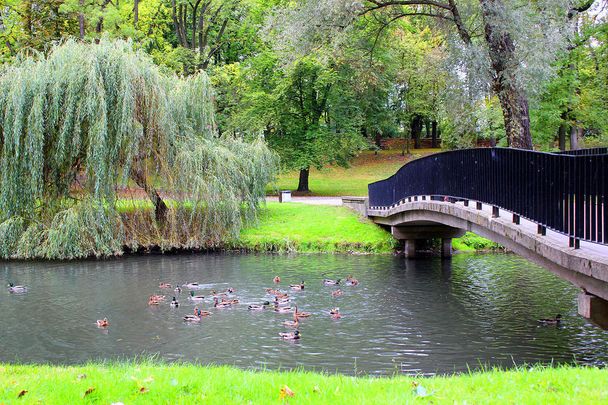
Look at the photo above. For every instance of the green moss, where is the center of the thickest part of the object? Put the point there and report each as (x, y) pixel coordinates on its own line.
(314, 228)
(158, 383)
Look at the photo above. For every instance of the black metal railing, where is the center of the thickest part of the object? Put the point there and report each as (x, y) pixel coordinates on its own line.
(563, 192)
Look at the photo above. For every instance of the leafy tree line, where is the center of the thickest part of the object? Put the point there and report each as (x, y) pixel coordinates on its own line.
(322, 80)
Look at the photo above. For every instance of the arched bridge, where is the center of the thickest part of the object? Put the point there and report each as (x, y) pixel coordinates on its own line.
(550, 208)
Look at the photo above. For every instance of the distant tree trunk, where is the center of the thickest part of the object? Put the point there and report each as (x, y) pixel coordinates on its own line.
(81, 19)
(135, 12)
(574, 131)
(416, 130)
(434, 135)
(561, 136)
(303, 182)
(513, 99)
(427, 127)
(378, 140)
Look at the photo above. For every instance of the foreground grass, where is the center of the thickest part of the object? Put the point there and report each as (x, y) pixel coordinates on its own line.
(182, 384)
(314, 228)
(366, 168)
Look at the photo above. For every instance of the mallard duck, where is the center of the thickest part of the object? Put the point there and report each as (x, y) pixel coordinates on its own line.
(551, 321)
(231, 302)
(258, 307)
(174, 303)
(276, 279)
(290, 335)
(164, 286)
(195, 298)
(16, 289)
(350, 280)
(218, 304)
(191, 318)
(297, 287)
(336, 293)
(103, 323)
(152, 301)
(301, 314)
(282, 310)
(292, 324)
(178, 289)
(192, 286)
(272, 291)
(331, 282)
(335, 313)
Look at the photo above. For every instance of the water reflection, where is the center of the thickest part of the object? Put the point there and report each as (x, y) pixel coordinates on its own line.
(423, 316)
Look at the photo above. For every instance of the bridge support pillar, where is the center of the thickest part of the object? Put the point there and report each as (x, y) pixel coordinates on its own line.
(446, 247)
(409, 249)
(594, 309)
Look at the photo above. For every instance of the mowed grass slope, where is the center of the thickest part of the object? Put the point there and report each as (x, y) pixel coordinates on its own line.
(146, 383)
(314, 228)
(338, 181)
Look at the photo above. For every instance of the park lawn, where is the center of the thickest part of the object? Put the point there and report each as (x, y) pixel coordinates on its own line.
(337, 181)
(314, 228)
(143, 383)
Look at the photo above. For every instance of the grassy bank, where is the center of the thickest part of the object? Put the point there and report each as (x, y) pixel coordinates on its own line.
(314, 228)
(149, 383)
(471, 242)
(338, 181)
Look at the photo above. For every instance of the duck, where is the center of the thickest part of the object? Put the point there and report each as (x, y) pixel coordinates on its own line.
(336, 293)
(103, 323)
(282, 310)
(281, 301)
(551, 321)
(195, 298)
(229, 290)
(231, 302)
(218, 304)
(178, 289)
(174, 303)
(164, 286)
(155, 299)
(327, 281)
(191, 318)
(335, 313)
(351, 281)
(276, 279)
(192, 286)
(292, 324)
(16, 289)
(258, 307)
(302, 314)
(297, 287)
(197, 316)
(295, 335)
(272, 291)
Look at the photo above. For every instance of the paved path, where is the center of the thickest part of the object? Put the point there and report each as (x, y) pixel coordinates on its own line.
(312, 200)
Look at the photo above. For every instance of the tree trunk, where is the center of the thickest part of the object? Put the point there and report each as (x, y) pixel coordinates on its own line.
(160, 208)
(303, 182)
(427, 128)
(561, 135)
(416, 130)
(574, 137)
(81, 20)
(378, 140)
(434, 135)
(135, 12)
(513, 99)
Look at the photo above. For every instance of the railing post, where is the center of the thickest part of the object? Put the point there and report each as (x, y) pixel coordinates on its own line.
(479, 205)
(574, 242)
(466, 203)
(516, 219)
(495, 212)
(541, 230)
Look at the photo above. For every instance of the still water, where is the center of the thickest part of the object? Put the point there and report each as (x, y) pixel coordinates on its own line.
(427, 316)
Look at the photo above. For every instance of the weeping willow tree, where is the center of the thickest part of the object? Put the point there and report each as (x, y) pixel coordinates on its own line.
(100, 149)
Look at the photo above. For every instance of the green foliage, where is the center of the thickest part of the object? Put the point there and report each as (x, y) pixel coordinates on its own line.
(471, 243)
(87, 117)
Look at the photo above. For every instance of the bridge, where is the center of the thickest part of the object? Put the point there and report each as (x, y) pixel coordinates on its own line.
(550, 208)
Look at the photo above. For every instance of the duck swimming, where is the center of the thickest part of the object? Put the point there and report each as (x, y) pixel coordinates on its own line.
(178, 289)
(297, 287)
(174, 303)
(350, 280)
(103, 323)
(258, 307)
(276, 279)
(282, 310)
(292, 324)
(164, 286)
(16, 289)
(290, 335)
(331, 282)
(192, 286)
(551, 321)
(336, 293)
(281, 301)
(195, 298)
(218, 304)
(335, 313)
(301, 314)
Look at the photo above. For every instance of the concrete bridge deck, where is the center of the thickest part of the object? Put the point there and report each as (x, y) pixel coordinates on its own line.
(585, 267)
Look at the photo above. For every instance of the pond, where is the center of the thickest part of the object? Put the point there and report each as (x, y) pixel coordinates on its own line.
(427, 316)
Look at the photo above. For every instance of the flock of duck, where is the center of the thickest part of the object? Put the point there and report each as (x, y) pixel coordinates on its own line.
(280, 303)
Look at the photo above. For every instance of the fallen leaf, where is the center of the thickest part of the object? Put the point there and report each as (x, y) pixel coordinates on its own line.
(82, 376)
(316, 389)
(286, 392)
(143, 390)
(21, 393)
(89, 391)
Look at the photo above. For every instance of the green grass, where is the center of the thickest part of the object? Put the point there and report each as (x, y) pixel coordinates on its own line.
(471, 242)
(314, 228)
(134, 383)
(352, 181)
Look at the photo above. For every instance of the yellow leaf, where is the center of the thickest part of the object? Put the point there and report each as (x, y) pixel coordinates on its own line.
(88, 391)
(143, 390)
(286, 392)
(22, 393)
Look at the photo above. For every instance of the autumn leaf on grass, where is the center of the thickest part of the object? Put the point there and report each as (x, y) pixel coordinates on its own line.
(143, 390)
(89, 391)
(286, 392)
(21, 393)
